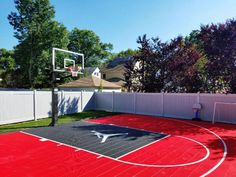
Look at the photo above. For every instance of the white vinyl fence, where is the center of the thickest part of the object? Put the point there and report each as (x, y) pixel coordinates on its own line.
(18, 106)
(174, 105)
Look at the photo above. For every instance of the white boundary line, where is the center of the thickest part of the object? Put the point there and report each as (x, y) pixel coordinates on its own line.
(223, 142)
(207, 150)
(205, 174)
(131, 163)
(172, 165)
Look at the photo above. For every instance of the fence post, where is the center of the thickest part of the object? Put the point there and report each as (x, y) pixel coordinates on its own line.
(81, 100)
(113, 95)
(95, 100)
(34, 104)
(198, 97)
(162, 103)
(62, 102)
(134, 102)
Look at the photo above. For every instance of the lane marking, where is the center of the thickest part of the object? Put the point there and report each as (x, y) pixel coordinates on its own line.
(126, 162)
(57, 142)
(43, 139)
(222, 141)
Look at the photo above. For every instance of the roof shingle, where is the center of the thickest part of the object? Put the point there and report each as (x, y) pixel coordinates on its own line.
(90, 82)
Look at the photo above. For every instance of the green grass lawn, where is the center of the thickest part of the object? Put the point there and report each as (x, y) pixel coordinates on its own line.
(61, 120)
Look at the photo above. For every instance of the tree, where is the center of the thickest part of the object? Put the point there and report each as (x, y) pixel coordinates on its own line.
(7, 66)
(158, 66)
(193, 39)
(219, 46)
(37, 33)
(88, 43)
(182, 70)
(6, 60)
(141, 72)
(124, 54)
(130, 79)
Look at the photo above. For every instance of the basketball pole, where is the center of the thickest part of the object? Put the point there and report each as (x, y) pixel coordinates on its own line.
(54, 101)
(54, 71)
(54, 110)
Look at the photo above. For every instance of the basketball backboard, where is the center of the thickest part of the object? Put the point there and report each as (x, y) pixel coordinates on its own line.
(64, 59)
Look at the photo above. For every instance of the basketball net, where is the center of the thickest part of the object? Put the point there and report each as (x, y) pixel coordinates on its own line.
(74, 70)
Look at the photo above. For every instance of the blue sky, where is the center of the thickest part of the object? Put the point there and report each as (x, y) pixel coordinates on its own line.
(120, 22)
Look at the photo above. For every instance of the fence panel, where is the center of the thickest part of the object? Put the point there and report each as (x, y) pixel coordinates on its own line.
(70, 103)
(208, 100)
(149, 103)
(16, 106)
(88, 101)
(124, 102)
(42, 104)
(179, 105)
(104, 101)
(19, 106)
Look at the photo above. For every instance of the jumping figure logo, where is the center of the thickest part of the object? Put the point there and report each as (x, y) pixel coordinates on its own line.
(105, 136)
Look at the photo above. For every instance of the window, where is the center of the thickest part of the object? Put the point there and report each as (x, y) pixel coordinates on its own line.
(104, 76)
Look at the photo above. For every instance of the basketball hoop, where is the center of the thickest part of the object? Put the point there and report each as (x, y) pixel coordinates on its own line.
(74, 70)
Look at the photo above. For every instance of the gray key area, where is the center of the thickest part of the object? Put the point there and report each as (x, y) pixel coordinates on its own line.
(108, 140)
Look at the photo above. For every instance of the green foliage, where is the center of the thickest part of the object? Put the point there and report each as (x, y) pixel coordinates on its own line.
(6, 60)
(124, 53)
(193, 38)
(182, 67)
(161, 66)
(131, 83)
(7, 66)
(219, 45)
(203, 61)
(88, 43)
(37, 33)
(121, 54)
(141, 71)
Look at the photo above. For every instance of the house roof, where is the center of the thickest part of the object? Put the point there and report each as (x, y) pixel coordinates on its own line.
(117, 81)
(118, 68)
(89, 70)
(119, 61)
(90, 82)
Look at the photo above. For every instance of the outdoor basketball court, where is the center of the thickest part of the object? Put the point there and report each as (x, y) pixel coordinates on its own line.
(121, 145)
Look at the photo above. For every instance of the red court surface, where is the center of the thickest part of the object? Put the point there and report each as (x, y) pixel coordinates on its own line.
(190, 149)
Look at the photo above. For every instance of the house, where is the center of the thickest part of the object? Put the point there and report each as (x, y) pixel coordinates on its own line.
(114, 71)
(91, 84)
(92, 71)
